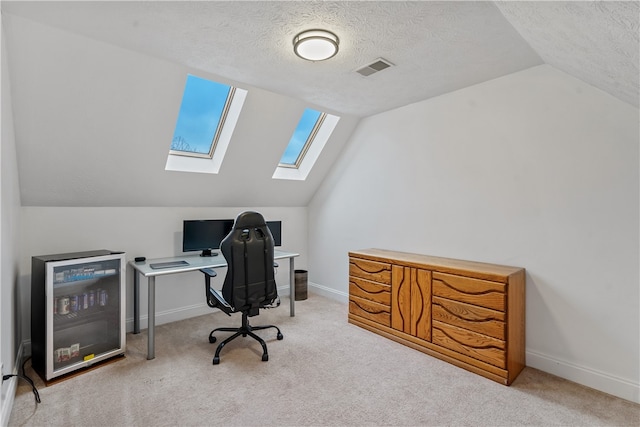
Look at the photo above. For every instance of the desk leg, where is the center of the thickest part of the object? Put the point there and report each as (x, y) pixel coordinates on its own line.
(292, 288)
(151, 350)
(136, 302)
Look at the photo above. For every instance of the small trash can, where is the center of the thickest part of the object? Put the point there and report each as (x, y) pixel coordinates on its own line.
(301, 284)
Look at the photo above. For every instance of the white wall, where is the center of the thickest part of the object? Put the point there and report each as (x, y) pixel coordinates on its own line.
(9, 223)
(535, 169)
(151, 232)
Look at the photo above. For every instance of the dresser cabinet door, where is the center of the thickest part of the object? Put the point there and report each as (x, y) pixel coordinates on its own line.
(411, 301)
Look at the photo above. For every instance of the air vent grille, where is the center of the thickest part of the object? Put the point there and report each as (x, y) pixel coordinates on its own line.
(377, 65)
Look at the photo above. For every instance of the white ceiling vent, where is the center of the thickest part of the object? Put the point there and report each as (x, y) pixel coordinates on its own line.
(377, 65)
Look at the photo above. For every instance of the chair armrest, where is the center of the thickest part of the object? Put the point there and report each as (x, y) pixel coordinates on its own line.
(214, 298)
(209, 272)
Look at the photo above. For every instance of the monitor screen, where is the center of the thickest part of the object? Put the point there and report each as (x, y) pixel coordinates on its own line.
(276, 231)
(204, 234)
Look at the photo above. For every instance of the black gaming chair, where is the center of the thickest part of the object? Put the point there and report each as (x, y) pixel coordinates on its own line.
(250, 283)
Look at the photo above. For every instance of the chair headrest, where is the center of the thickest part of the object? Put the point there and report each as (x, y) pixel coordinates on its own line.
(249, 219)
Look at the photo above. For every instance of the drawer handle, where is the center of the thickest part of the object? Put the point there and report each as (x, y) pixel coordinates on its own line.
(469, 292)
(469, 319)
(379, 291)
(479, 347)
(368, 309)
(380, 270)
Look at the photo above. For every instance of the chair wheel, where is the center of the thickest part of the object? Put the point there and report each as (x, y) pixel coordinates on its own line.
(265, 357)
(216, 360)
(212, 339)
(279, 336)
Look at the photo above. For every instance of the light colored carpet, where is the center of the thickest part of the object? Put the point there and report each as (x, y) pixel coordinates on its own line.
(326, 372)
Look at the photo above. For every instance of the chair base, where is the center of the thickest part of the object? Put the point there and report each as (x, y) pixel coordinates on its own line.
(245, 330)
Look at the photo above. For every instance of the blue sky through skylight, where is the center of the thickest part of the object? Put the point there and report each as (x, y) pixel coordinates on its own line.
(202, 105)
(300, 136)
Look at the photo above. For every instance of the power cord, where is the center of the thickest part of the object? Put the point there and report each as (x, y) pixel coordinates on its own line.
(26, 378)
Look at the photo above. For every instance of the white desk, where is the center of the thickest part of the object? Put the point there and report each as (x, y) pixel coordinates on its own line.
(194, 263)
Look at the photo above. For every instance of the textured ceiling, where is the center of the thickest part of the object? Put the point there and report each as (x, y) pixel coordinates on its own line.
(74, 73)
(437, 47)
(596, 42)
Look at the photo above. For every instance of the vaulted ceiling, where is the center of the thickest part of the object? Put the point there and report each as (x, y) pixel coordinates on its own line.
(436, 47)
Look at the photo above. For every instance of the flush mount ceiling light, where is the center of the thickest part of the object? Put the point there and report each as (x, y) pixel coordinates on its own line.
(315, 45)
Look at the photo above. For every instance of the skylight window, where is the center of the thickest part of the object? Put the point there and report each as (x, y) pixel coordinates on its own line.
(308, 139)
(302, 138)
(208, 116)
(202, 114)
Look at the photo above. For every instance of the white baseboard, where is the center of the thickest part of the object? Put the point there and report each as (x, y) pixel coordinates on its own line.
(7, 402)
(607, 383)
(329, 293)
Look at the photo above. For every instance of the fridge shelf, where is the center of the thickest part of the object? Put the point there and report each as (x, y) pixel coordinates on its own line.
(73, 278)
(65, 321)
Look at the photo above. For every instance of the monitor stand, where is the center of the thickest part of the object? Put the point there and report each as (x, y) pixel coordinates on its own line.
(207, 252)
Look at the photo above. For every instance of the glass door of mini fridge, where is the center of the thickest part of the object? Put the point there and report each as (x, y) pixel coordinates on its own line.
(85, 305)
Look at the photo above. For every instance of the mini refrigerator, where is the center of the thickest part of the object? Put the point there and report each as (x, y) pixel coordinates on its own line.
(77, 310)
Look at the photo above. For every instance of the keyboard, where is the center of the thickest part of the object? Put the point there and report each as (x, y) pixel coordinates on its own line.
(169, 264)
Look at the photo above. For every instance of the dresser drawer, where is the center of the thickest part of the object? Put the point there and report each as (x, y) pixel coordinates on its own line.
(472, 291)
(470, 344)
(370, 270)
(369, 290)
(467, 316)
(379, 313)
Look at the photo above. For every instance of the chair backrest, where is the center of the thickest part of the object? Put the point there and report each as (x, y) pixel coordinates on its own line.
(248, 248)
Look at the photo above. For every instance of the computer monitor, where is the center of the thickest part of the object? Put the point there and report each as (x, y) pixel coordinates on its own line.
(204, 234)
(276, 231)
(207, 234)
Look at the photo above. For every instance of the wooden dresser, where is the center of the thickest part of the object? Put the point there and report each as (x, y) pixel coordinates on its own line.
(470, 314)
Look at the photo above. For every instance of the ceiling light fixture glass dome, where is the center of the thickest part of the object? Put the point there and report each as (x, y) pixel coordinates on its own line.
(316, 45)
